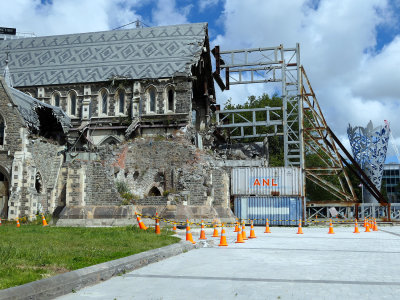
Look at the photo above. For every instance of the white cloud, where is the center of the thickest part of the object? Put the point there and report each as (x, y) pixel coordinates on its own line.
(63, 17)
(337, 40)
(379, 74)
(166, 13)
(203, 4)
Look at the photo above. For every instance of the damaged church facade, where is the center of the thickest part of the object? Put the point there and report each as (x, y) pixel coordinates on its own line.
(107, 109)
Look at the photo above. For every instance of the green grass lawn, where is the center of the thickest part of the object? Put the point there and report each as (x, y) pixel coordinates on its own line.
(33, 252)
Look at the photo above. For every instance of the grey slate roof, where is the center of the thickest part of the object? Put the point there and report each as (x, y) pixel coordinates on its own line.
(27, 105)
(153, 52)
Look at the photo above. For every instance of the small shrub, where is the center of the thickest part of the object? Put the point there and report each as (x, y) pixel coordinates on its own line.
(126, 202)
(122, 187)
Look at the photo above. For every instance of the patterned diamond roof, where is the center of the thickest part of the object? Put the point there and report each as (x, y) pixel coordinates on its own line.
(153, 52)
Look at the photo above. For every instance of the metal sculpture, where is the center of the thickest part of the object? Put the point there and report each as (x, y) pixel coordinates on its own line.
(369, 146)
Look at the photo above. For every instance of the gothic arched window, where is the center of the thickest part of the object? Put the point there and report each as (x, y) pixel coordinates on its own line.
(121, 101)
(103, 103)
(151, 100)
(56, 99)
(72, 103)
(170, 103)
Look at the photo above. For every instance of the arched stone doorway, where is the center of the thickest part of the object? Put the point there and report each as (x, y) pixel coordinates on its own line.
(4, 194)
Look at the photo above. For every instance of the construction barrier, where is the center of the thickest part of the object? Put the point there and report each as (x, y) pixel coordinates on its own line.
(248, 221)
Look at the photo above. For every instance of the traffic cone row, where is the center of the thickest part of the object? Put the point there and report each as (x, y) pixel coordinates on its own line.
(369, 224)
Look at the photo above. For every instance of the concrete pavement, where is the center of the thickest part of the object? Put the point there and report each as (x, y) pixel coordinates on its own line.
(280, 265)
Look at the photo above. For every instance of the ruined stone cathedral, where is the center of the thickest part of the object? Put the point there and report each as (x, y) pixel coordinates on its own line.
(83, 114)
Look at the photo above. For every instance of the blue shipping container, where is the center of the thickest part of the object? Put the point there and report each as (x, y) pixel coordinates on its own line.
(278, 210)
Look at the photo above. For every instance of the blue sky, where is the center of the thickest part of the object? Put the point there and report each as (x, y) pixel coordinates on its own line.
(349, 48)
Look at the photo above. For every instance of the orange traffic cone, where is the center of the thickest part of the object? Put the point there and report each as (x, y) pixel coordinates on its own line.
(215, 233)
(375, 228)
(356, 228)
(140, 222)
(202, 232)
(237, 227)
(239, 237)
(18, 225)
(0, 221)
(365, 222)
(188, 233)
(157, 228)
(244, 231)
(174, 228)
(371, 224)
(44, 220)
(252, 234)
(367, 227)
(267, 227)
(300, 229)
(223, 242)
(330, 227)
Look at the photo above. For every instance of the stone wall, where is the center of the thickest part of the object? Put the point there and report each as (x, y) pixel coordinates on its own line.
(14, 125)
(90, 183)
(172, 166)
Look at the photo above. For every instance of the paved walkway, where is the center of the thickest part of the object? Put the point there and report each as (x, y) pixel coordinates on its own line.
(281, 265)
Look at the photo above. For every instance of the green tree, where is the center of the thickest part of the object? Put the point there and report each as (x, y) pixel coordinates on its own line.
(275, 143)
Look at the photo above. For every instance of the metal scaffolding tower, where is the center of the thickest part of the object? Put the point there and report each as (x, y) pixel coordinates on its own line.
(299, 120)
(266, 65)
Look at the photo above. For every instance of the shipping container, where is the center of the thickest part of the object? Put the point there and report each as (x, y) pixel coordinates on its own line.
(278, 210)
(280, 181)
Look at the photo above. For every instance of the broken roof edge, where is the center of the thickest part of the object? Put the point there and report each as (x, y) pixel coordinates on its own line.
(32, 121)
(10, 97)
